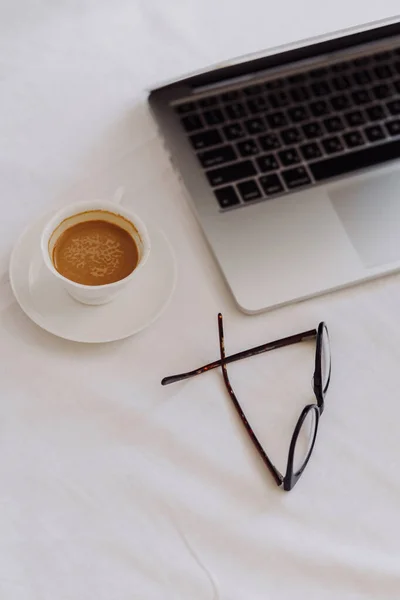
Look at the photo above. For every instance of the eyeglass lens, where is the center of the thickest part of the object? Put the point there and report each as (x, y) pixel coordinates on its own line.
(304, 441)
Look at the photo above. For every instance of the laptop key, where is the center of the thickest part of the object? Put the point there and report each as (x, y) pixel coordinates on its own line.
(269, 142)
(292, 135)
(230, 96)
(279, 99)
(381, 91)
(333, 124)
(375, 112)
(234, 131)
(332, 145)
(212, 137)
(320, 88)
(276, 84)
(318, 73)
(289, 157)
(353, 161)
(312, 130)
(361, 97)
(340, 67)
(341, 102)
(341, 83)
(295, 178)
(249, 190)
(247, 147)
(185, 108)
(267, 163)
(254, 126)
(299, 94)
(227, 196)
(394, 107)
(374, 133)
(362, 61)
(298, 114)
(354, 118)
(362, 77)
(253, 90)
(393, 127)
(192, 122)
(297, 78)
(207, 102)
(276, 120)
(271, 184)
(235, 110)
(310, 151)
(397, 85)
(257, 105)
(239, 170)
(214, 117)
(353, 139)
(382, 56)
(217, 156)
(319, 108)
(383, 71)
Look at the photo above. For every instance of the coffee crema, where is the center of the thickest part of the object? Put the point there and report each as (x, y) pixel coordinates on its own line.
(95, 253)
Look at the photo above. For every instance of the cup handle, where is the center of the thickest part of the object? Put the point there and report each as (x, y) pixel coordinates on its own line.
(118, 195)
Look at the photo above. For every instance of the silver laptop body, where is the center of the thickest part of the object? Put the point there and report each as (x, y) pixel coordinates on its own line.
(290, 161)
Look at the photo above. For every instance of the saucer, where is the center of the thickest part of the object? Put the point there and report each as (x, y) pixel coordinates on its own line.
(44, 300)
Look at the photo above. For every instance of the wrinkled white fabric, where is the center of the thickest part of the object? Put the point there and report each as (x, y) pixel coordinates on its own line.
(112, 487)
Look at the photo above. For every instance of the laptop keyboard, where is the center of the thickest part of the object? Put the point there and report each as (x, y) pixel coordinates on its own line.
(274, 137)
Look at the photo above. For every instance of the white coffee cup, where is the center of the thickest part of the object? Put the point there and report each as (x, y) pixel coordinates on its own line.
(87, 211)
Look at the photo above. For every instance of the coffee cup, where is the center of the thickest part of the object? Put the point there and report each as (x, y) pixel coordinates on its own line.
(95, 249)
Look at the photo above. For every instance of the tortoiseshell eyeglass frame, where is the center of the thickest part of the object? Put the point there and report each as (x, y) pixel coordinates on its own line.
(321, 380)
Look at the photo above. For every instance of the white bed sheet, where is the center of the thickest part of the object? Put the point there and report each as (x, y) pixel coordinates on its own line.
(112, 487)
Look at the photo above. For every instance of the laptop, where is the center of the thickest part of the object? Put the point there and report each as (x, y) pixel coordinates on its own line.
(291, 163)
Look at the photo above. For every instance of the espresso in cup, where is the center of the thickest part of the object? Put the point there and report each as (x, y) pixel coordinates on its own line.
(95, 252)
(95, 249)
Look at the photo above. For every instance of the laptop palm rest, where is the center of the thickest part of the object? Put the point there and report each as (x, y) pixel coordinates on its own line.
(369, 209)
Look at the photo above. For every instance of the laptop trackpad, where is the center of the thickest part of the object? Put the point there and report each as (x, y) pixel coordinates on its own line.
(370, 212)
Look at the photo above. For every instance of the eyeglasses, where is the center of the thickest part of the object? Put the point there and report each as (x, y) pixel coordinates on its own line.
(305, 431)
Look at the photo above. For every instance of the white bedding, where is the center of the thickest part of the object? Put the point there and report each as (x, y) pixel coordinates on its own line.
(112, 487)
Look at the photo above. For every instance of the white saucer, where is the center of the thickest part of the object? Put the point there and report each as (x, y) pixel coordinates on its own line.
(44, 300)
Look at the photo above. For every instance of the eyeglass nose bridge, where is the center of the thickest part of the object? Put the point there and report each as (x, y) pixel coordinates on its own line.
(318, 393)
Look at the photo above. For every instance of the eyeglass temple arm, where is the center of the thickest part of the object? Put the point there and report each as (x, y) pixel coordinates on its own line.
(287, 341)
(271, 467)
